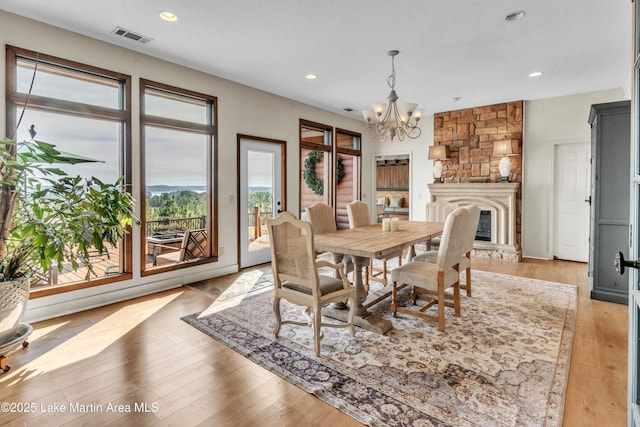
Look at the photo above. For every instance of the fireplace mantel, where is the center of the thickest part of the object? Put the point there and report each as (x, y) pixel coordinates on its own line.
(498, 198)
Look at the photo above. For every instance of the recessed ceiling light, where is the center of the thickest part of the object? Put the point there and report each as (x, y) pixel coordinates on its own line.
(514, 16)
(168, 16)
(535, 74)
(311, 76)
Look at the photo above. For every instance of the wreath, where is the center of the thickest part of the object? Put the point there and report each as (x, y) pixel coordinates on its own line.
(309, 173)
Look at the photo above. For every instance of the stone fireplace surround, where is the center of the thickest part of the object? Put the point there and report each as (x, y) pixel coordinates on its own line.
(498, 198)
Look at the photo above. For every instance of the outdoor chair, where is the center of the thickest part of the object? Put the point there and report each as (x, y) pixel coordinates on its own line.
(429, 281)
(296, 277)
(194, 245)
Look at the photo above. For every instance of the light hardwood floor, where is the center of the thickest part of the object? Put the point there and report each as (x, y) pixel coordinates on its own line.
(140, 351)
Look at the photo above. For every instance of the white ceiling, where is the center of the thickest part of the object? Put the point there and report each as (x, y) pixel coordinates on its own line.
(448, 48)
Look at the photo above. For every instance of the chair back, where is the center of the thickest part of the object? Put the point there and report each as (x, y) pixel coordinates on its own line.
(322, 218)
(439, 210)
(194, 245)
(453, 238)
(472, 227)
(358, 213)
(292, 254)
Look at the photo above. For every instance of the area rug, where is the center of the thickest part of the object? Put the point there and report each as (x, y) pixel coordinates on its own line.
(247, 282)
(505, 362)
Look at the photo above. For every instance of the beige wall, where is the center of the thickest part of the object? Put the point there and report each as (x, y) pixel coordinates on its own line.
(549, 122)
(241, 110)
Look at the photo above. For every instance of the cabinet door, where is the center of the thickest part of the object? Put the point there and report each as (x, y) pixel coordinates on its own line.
(610, 199)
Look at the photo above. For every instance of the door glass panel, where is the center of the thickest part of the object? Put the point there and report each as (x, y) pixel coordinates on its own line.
(260, 194)
(314, 177)
(346, 188)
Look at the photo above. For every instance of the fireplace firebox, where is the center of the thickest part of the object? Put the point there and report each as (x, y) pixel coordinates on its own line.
(484, 227)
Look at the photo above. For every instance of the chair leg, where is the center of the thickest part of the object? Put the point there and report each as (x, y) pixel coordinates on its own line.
(456, 298)
(441, 303)
(394, 300)
(276, 310)
(468, 280)
(317, 319)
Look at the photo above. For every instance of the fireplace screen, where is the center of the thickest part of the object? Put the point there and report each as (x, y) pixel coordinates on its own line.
(484, 227)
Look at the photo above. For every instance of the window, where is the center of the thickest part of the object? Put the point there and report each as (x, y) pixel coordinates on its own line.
(316, 147)
(322, 179)
(179, 162)
(83, 110)
(348, 157)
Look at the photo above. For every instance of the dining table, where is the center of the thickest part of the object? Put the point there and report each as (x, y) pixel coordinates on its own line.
(364, 243)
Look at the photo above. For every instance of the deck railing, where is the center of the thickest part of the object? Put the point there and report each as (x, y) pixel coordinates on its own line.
(182, 224)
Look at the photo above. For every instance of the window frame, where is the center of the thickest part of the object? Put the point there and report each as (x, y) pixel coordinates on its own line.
(15, 100)
(211, 130)
(332, 150)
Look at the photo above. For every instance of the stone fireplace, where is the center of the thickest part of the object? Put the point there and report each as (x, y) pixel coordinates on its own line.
(471, 174)
(500, 201)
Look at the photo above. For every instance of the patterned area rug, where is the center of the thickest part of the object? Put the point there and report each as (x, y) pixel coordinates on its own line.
(505, 362)
(249, 281)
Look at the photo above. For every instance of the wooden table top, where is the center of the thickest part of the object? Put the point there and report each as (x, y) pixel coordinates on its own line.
(372, 242)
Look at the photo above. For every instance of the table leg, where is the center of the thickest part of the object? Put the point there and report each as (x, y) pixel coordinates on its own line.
(363, 318)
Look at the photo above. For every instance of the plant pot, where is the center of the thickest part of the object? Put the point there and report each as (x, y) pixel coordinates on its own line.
(14, 295)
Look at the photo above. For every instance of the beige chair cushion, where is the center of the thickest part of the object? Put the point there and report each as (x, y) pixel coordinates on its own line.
(328, 284)
(423, 273)
(432, 256)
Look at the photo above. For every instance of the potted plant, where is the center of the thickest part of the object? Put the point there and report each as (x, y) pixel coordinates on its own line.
(48, 218)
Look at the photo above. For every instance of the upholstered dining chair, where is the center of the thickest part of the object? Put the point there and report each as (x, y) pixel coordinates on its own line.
(323, 220)
(471, 228)
(296, 277)
(437, 212)
(429, 281)
(358, 213)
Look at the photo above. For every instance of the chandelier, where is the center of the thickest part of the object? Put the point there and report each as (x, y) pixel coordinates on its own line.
(393, 121)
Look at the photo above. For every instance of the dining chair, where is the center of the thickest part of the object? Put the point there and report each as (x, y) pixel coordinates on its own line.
(437, 212)
(429, 281)
(358, 213)
(323, 220)
(471, 228)
(296, 276)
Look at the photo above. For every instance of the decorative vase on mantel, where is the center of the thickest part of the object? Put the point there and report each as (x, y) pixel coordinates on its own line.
(13, 304)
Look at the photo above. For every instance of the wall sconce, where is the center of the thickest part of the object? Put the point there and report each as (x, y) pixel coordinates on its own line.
(504, 149)
(438, 153)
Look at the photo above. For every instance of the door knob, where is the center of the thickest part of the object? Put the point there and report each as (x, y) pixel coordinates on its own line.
(620, 263)
(588, 200)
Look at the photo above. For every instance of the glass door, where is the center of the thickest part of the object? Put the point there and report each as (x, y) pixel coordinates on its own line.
(634, 236)
(260, 195)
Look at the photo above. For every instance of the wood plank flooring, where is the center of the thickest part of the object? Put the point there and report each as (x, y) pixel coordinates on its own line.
(140, 352)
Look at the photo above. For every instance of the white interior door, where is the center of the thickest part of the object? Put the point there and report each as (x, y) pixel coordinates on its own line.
(571, 201)
(260, 196)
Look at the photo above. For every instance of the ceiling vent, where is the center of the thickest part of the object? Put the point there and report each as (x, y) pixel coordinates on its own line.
(119, 31)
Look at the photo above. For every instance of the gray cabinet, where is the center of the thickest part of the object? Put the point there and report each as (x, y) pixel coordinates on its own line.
(609, 228)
